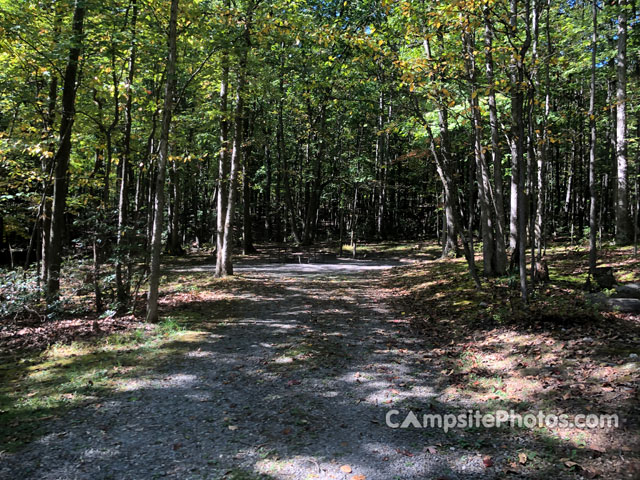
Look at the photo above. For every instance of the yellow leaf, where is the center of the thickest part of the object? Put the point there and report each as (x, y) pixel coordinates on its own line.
(345, 468)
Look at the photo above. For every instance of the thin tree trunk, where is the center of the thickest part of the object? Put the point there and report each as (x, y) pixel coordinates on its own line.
(96, 274)
(268, 223)
(518, 211)
(283, 161)
(223, 161)
(442, 166)
(623, 232)
(496, 155)
(47, 162)
(175, 247)
(158, 216)
(122, 287)
(592, 146)
(61, 159)
(226, 267)
(247, 222)
(482, 171)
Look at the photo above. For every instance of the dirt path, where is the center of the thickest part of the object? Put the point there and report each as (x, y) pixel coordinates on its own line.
(293, 383)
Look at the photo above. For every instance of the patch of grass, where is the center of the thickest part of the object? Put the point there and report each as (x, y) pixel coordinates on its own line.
(42, 386)
(170, 326)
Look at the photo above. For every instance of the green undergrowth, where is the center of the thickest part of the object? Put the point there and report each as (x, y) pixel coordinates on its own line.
(41, 386)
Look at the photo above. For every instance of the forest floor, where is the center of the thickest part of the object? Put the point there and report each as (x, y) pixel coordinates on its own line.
(288, 369)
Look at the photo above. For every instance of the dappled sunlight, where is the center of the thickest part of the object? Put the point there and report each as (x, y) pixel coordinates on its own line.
(299, 385)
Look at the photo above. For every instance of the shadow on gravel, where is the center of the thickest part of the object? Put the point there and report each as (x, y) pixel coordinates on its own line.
(291, 380)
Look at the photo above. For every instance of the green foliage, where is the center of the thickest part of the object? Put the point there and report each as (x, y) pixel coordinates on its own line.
(19, 292)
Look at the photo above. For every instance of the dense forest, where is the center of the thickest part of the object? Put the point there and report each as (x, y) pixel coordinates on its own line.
(134, 128)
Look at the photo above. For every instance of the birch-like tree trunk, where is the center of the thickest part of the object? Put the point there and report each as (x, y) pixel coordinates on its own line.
(122, 286)
(623, 223)
(592, 144)
(223, 161)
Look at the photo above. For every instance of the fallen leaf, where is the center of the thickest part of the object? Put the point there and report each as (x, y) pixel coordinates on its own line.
(522, 458)
(488, 461)
(233, 427)
(431, 449)
(406, 453)
(358, 477)
(345, 468)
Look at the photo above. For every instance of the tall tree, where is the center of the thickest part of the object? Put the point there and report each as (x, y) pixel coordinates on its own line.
(224, 265)
(623, 220)
(62, 156)
(122, 287)
(592, 144)
(496, 154)
(163, 154)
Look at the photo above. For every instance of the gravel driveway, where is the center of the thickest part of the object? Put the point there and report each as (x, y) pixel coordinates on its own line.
(295, 384)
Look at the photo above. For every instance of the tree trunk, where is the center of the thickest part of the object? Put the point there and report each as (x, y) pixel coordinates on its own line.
(96, 275)
(268, 223)
(61, 159)
(163, 154)
(450, 243)
(223, 163)
(225, 266)
(247, 222)
(496, 156)
(283, 161)
(442, 166)
(174, 247)
(47, 161)
(518, 210)
(623, 232)
(592, 145)
(484, 185)
(122, 286)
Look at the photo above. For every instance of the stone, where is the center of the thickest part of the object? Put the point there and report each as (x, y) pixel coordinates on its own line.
(629, 290)
(624, 305)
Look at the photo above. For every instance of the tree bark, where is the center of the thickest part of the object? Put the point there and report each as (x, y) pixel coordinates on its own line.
(518, 199)
(174, 246)
(122, 286)
(485, 193)
(496, 155)
(225, 265)
(61, 159)
(592, 145)
(163, 154)
(623, 231)
(247, 221)
(223, 162)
